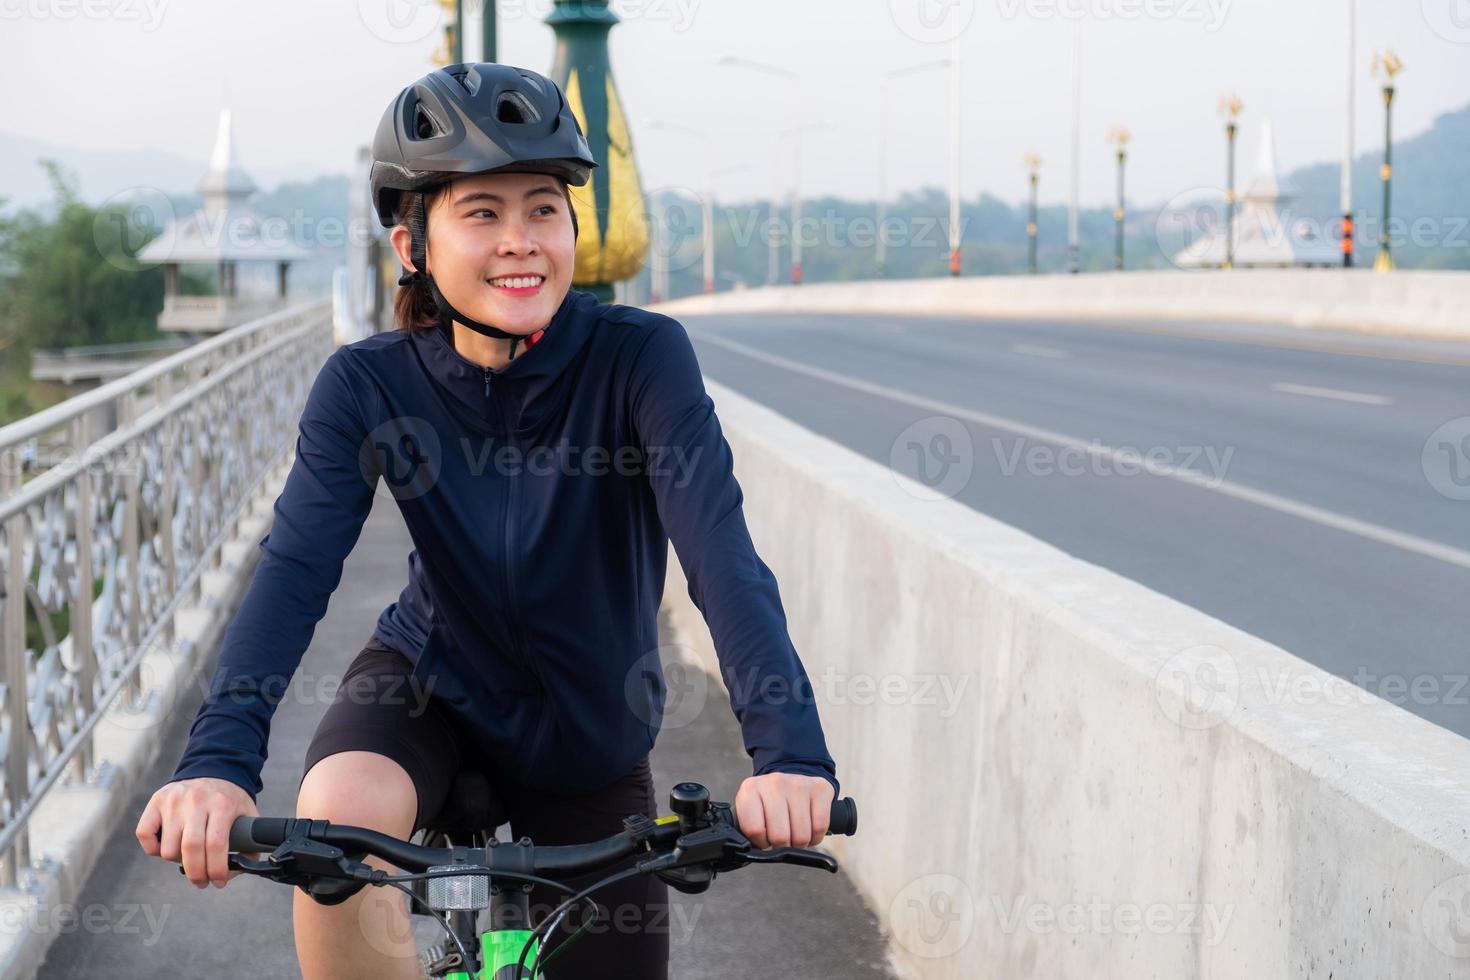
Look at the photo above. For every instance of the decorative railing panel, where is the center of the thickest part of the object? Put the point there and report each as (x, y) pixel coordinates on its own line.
(100, 550)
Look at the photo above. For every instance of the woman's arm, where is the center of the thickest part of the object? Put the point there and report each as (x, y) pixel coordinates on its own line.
(700, 504)
(318, 518)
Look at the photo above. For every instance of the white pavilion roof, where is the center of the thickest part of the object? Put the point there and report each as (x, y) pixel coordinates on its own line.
(1267, 231)
(225, 228)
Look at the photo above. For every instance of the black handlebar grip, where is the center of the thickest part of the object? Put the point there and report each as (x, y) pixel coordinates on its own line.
(252, 834)
(844, 816)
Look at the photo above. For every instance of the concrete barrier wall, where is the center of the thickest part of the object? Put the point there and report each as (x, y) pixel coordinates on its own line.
(1422, 304)
(1061, 773)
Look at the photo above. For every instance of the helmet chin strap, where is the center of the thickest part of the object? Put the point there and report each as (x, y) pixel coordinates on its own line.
(448, 314)
(418, 247)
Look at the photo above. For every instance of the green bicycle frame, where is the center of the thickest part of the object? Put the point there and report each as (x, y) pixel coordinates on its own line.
(500, 950)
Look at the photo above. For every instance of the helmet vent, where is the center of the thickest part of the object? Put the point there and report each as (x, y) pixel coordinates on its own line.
(513, 107)
(469, 81)
(425, 126)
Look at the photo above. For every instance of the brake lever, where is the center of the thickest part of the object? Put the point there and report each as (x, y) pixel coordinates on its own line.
(239, 862)
(250, 866)
(308, 864)
(792, 855)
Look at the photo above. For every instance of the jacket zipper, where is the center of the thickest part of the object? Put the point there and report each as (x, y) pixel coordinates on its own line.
(508, 541)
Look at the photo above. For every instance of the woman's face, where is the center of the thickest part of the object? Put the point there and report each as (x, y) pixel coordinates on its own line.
(487, 230)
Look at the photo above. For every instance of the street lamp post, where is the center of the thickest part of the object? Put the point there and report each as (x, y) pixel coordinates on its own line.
(1386, 65)
(1346, 187)
(1230, 108)
(796, 133)
(707, 216)
(1119, 137)
(709, 223)
(955, 94)
(774, 257)
(1032, 163)
(889, 77)
(658, 274)
(1073, 247)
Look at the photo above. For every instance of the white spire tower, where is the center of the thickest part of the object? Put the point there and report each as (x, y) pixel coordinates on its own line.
(226, 184)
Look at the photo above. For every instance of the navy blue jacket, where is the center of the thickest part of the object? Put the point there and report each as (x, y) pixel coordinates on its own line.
(541, 500)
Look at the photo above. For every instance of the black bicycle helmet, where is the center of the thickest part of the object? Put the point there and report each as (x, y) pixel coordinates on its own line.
(469, 119)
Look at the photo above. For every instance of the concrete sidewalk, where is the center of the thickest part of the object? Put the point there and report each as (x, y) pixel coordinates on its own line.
(138, 917)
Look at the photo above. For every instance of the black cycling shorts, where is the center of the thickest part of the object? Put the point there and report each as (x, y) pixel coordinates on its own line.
(379, 708)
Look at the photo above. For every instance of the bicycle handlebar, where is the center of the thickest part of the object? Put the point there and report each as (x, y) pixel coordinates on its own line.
(257, 834)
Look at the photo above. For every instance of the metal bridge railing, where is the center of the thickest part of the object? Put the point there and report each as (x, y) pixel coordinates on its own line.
(100, 549)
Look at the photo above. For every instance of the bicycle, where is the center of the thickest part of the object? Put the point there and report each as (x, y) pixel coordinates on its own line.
(687, 849)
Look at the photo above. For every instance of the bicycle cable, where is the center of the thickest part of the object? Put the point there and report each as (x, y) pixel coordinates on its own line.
(464, 954)
(561, 910)
(540, 964)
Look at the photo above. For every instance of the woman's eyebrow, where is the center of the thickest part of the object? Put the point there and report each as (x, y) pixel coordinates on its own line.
(487, 196)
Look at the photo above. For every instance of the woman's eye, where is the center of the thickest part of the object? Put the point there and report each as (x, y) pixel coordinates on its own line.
(482, 211)
(548, 208)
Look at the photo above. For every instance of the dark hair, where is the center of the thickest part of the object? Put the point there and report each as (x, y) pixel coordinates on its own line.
(414, 308)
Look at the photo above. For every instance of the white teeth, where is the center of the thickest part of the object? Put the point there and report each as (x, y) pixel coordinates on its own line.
(519, 282)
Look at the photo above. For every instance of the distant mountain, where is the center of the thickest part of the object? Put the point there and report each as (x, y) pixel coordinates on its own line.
(317, 205)
(1431, 186)
(1431, 197)
(104, 173)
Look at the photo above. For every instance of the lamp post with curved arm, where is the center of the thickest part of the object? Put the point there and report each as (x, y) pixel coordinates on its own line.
(887, 79)
(734, 61)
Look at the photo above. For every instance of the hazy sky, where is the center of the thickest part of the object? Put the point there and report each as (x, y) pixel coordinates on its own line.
(308, 80)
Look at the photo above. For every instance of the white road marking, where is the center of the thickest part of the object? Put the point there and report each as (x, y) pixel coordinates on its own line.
(1262, 498)
(1334, 393)
(1036, 350)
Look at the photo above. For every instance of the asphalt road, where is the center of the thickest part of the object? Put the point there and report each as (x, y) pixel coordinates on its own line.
(1302, 487)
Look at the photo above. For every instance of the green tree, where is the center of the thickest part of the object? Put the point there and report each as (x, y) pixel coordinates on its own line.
(69, 278)
(75, 277)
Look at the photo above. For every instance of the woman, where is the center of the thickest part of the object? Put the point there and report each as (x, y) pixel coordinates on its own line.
(543, 449)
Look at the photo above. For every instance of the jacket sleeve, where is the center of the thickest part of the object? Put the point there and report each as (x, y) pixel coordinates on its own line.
(318, 518)
(691, 470)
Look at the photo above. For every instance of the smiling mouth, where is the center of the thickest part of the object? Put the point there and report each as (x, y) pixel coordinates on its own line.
(518, 284)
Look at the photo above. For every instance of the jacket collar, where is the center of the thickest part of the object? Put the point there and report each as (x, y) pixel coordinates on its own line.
(526, 389)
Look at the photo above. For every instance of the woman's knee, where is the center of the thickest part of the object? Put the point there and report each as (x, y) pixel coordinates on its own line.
(364, 789)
